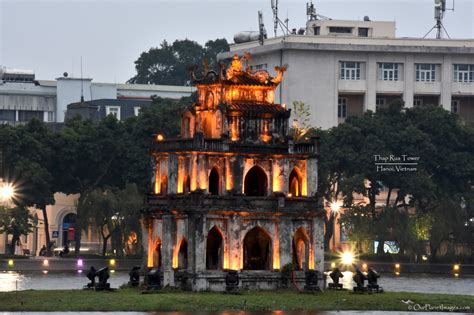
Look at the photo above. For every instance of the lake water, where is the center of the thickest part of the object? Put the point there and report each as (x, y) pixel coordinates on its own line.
(12, 281)
(233, 313)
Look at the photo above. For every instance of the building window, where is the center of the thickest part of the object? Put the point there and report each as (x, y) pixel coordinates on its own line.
(455, 104)
(317, 30)
(379, 103)
(464, 73)
(262, 66)
(425, 72)
(389, 71)
(27, 115)
(340, 30)
(363, 32)
(113, 110)
(136, 110)
(417, 102)
(342, 107)
(50, 116)
(350, 70)
(7, 115)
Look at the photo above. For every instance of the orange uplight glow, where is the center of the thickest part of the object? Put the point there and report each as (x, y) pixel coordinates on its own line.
(149, 262)
(276, 254)
(160, 137)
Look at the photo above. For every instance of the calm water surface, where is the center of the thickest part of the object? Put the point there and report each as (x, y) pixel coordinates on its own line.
(230, 313)
(12, 281)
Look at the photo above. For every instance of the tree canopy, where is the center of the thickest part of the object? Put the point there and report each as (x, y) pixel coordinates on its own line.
(169, 63)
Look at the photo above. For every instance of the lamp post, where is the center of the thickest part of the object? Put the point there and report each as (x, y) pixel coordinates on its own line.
(7, 194)
(335, 208)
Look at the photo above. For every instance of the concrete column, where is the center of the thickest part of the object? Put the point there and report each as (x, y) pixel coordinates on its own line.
(235, 246)
(167, 250)
(409, 74)
(318, 243)
(172, 174)
(446, 82)
(286, 238)
(371, 82)
(237, 165)
(203, 177)
(312, 176)
(200, 234)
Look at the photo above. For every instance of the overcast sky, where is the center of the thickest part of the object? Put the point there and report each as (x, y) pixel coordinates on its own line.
(50, 37)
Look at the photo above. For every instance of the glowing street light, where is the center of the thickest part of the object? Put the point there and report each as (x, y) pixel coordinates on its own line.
(347, 258)
(7, 192)
(335, 207)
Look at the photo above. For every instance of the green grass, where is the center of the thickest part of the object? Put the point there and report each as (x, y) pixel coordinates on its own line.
(133, 300)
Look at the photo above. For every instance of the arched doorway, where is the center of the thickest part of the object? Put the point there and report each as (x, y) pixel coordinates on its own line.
(256, 182)
(214, 249)
(214, 182)
(257, 250)
(183, 255)
(164, 185)
(187, 185)
(295, 183)
(300, 248)
(157, 254)
(67, 229)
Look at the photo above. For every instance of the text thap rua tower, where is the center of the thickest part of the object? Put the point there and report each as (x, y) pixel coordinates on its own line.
(234, 192)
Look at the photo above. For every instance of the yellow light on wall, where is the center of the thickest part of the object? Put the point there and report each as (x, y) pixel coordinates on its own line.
(160, 137)
(112, 262)
(397, 266)
(456, 267)
(333, 265)
(11, 263)
(45, 262)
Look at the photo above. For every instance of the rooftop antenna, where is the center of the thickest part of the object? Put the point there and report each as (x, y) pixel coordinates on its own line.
(311, 14)
(311, 11)
(440, 9)
(276, 20)
(82, 87)
(262, 33)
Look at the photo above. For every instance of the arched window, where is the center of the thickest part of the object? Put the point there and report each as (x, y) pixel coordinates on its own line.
(257, 250)
(68, 228)
(164, 185)
(186, 185)
(157, 254)
(214, 249)
(214, 182)
(295, 183)
(301, 249)
(255, 182)
(183, 255)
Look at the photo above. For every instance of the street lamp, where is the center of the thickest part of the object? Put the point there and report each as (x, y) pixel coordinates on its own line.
(7, 192)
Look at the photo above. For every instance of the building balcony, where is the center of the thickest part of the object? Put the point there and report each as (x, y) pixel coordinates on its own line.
(388, 87)
(200, 202)
(352, 86)
(462, 88)
(200, 144)
(428, 88)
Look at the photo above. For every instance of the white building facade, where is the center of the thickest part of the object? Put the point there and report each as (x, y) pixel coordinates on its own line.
(343, 68)
(22, 97)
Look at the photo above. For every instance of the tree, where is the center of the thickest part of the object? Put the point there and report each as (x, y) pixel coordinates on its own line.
(90, 156)
(28, 159)
(169, 64)
(15, 221)
(114, 212)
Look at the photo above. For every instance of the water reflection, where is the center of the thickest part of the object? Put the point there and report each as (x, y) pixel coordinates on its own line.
(230, 313)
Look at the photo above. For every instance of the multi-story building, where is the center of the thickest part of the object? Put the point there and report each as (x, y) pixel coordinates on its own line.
(22, 97)
(343, 68)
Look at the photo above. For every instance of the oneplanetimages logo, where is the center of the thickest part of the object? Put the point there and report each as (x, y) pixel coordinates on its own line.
(396, 163)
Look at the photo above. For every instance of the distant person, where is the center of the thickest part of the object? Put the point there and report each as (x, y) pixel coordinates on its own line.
(43, 251)
(65, 251)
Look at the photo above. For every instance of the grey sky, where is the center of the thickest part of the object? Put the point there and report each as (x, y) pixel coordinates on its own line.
(51, 36)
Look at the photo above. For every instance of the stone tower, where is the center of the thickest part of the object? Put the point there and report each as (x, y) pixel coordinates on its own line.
(234, 192)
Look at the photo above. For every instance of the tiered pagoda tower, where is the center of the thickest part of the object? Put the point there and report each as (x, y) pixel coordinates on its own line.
(234, 192)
